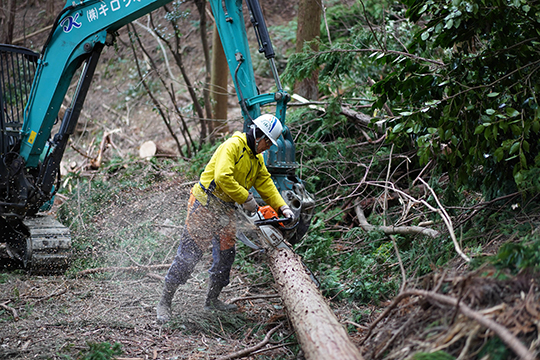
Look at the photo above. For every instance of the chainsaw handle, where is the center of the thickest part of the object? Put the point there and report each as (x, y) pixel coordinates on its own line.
(273, 221)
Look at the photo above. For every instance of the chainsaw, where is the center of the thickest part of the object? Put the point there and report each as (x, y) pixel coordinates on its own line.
(271, 231)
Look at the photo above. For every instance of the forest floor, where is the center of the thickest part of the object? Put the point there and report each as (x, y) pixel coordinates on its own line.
(59, 317)
(63, 317)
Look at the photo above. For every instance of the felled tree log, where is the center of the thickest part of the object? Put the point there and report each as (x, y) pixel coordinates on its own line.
(318, 331)
(149, 149)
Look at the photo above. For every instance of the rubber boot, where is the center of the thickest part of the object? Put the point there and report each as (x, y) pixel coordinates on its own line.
(213, 303)
(164, 307)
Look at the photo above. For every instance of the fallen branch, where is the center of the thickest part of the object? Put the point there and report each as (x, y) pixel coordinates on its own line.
(361, 118)
(274, 347)
(506, 336)
(45, 298)
(391, 230)
(249, 350)
(447, 220)
(271, 296)
(25, 37)
(444, 215)
(155, 277)
(12, 310)
(356, 325)
(132, 269)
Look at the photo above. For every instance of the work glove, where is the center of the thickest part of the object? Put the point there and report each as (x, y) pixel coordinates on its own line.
(286, 211)
(250, 204)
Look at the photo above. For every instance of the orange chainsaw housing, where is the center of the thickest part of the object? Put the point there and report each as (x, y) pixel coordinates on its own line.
(267, 212)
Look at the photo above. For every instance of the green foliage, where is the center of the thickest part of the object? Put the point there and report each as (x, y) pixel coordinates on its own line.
(519, 256)
(327, 145)
(437, 355)
(353, 275)
(5, 277)
(101, 351)
(344, 57)
(495, 349)
(475, 111)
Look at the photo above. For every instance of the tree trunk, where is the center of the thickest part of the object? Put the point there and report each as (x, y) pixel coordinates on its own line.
(201, 7)
(318, 331)
(218, 89)
(309, 28)
(9, 10)
(51, 14)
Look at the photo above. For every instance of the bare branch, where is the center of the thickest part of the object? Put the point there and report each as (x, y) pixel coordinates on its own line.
(375, 51)
(504, 334)
(392, 230)
(444, 215)
(10, 309)
(123, 269)
(447, 220)
(249, 350)
(243, 298)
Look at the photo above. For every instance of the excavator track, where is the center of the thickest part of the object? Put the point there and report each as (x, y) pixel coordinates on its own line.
(48, 248)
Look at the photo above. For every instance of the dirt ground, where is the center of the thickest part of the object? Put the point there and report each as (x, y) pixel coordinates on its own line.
(56, 317)
(60, 315)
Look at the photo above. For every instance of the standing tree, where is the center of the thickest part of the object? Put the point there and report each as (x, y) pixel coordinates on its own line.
(309, 29)
(50, 9)
(9, 8)
(201, 7)
(218, 83)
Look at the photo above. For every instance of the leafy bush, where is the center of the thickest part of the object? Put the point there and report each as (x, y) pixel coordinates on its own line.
(474, 108)
(519, 256)
(437, 355)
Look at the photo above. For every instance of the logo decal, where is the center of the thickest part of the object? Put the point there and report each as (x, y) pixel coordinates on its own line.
(32, 137)
(70, 22)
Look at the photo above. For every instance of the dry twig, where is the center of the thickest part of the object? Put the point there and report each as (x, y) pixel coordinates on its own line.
(249, 350)
(270, 296)
(444, 215)
(57, 293)
(392, 230)
(10, 309)
(506, 336)
(130, 269)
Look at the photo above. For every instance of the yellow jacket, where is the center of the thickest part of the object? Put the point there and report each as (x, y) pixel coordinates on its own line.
(233, 170)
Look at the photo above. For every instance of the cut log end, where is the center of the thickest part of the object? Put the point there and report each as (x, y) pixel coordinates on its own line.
(148, 149)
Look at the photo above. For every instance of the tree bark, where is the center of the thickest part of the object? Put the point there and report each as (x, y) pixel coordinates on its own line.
(309, 28)
(201, 7)
(9, 10)
(318, 331)
(51, 14)
(218, 85)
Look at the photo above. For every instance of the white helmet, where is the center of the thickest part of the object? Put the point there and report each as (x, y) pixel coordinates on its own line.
(270, 126)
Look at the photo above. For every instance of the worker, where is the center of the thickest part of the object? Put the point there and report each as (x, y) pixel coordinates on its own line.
(235, 167)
